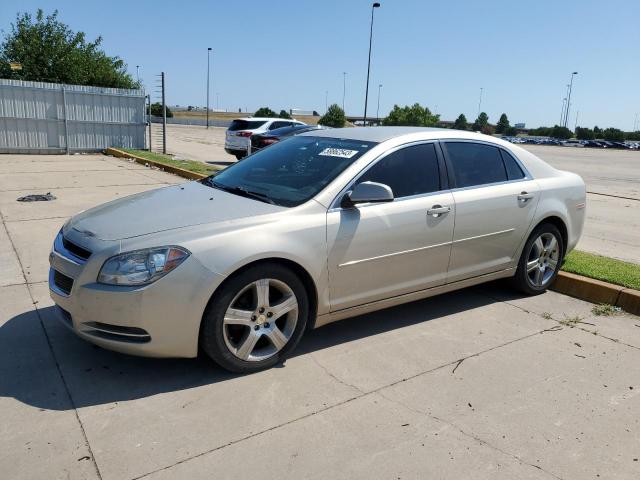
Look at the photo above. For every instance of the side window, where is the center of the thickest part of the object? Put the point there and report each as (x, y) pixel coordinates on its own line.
(514, 172)
(275, 125)
(475, 164)
(408, 171)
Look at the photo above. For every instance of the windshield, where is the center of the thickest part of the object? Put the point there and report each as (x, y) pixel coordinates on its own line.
(290, 172)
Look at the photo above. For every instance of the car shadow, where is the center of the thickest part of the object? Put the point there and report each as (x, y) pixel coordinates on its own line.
(95, 376)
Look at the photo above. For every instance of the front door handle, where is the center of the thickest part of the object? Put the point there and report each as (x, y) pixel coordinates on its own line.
(438, 210)
(525, 197)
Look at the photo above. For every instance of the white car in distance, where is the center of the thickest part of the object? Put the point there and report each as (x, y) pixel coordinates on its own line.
(238, 137)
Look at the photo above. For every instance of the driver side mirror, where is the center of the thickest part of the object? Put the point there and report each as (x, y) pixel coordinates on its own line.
(367, 192)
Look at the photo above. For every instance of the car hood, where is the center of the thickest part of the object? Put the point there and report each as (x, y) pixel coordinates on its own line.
(166, 208)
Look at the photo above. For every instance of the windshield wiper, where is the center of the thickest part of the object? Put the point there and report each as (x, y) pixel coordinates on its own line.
(241, 191)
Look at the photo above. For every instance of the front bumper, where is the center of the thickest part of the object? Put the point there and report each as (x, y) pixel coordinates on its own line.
(157, 320)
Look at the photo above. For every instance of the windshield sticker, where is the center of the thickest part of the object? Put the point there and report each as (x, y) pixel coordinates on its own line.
(337, 152)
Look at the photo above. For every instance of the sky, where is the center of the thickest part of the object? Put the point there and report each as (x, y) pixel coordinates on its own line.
(287, 54)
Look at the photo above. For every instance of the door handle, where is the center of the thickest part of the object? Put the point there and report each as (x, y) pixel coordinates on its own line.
(525, 197)
(438, 210)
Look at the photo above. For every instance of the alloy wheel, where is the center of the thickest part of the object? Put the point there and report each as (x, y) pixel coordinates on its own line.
(543, 259)
(260, 320)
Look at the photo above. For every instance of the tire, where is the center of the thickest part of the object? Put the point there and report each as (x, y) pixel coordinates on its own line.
(240, 337)
(240, 156)
(540, 262)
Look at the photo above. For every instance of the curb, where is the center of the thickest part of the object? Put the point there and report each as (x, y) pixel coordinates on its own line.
(143, 161)
(597, 291)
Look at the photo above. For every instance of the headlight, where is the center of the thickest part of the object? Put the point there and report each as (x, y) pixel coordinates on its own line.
(141, 267)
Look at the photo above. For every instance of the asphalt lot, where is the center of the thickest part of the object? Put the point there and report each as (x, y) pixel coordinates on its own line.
(612, 176)
(476, 384)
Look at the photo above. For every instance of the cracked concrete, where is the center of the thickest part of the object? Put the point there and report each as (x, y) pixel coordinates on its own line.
(479, 383)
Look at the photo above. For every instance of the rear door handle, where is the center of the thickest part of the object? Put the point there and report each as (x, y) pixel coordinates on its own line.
(438, 210)
(525, 197)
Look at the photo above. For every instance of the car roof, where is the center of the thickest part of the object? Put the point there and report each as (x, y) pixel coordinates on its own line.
(267, 119)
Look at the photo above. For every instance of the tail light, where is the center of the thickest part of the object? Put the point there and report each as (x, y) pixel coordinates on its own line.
(244, 134)
(269, 141)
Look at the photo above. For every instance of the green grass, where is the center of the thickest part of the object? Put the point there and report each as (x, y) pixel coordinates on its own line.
(603, 268)
(191, 165)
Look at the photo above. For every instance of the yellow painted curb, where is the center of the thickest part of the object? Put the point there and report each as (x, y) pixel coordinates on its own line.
(597, 291)
(167, 168)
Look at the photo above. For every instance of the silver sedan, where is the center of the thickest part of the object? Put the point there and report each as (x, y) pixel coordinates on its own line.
(317, 228)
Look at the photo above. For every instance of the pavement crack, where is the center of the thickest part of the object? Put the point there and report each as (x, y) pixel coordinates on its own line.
(468, 434)
(53, 353)
(335, 405)
(333, 376)
(457, 365)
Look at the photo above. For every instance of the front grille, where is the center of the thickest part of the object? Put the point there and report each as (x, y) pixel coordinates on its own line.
(64, 283)
(77, 250)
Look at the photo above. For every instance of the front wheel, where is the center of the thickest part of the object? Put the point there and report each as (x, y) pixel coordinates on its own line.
(540, 260)
(255, 319)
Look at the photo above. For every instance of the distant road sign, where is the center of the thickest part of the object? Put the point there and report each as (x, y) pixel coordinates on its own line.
(15, 66)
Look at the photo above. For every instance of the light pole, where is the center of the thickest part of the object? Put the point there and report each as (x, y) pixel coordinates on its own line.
(378, 109)
(366, 95)
(138, 73)
(208, 63)
(326, 101)
(576, 124)
(344, 88)
(480, 101)
(566, 117)
(564, 104)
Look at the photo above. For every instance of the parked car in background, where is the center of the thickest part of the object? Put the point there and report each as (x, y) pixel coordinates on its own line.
(261, 140)
(322, 226)
(237, 139)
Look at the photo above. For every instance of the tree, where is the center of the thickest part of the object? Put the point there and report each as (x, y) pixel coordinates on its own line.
(156, 110)
(584, 133)
(334, 117)
(482, 124)
(613, 134)
(460, 123)
(597, 132)
(284, 114)
(265, 112)
(632, 135)
(511, 131)
(415, 115)
(503, 124)
(50, 51)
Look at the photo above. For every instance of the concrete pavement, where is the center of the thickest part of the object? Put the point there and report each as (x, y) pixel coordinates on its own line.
(479, 383)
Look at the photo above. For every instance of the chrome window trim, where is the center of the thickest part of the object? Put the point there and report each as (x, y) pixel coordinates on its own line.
(527, 174)
(335, 204)
(61, 251)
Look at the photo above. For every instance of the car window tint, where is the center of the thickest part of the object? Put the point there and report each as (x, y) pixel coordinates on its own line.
(245, 125)
(514, 172)
(475, 164)
(408, 171)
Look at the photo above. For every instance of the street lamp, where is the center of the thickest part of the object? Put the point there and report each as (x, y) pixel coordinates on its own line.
(378, 109)
(566, 117)
(208, 63)
(564, 104)
(366, 95)
(138, 73)
(344, 88)
(480, 101)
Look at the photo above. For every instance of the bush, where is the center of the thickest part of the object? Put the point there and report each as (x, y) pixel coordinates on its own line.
(334, 117)
(284, 114)
(156, 110)
(584, 133)
(265, 112)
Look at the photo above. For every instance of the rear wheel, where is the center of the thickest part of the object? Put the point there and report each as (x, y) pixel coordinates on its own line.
(540, 260)
(255, 319)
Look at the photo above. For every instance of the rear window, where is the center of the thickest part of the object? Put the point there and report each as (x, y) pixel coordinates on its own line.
(246, 124)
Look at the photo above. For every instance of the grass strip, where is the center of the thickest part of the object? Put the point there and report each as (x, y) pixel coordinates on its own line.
(603, 268)
(191, 165)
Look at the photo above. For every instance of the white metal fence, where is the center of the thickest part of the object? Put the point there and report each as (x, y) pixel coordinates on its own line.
(38, 117)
